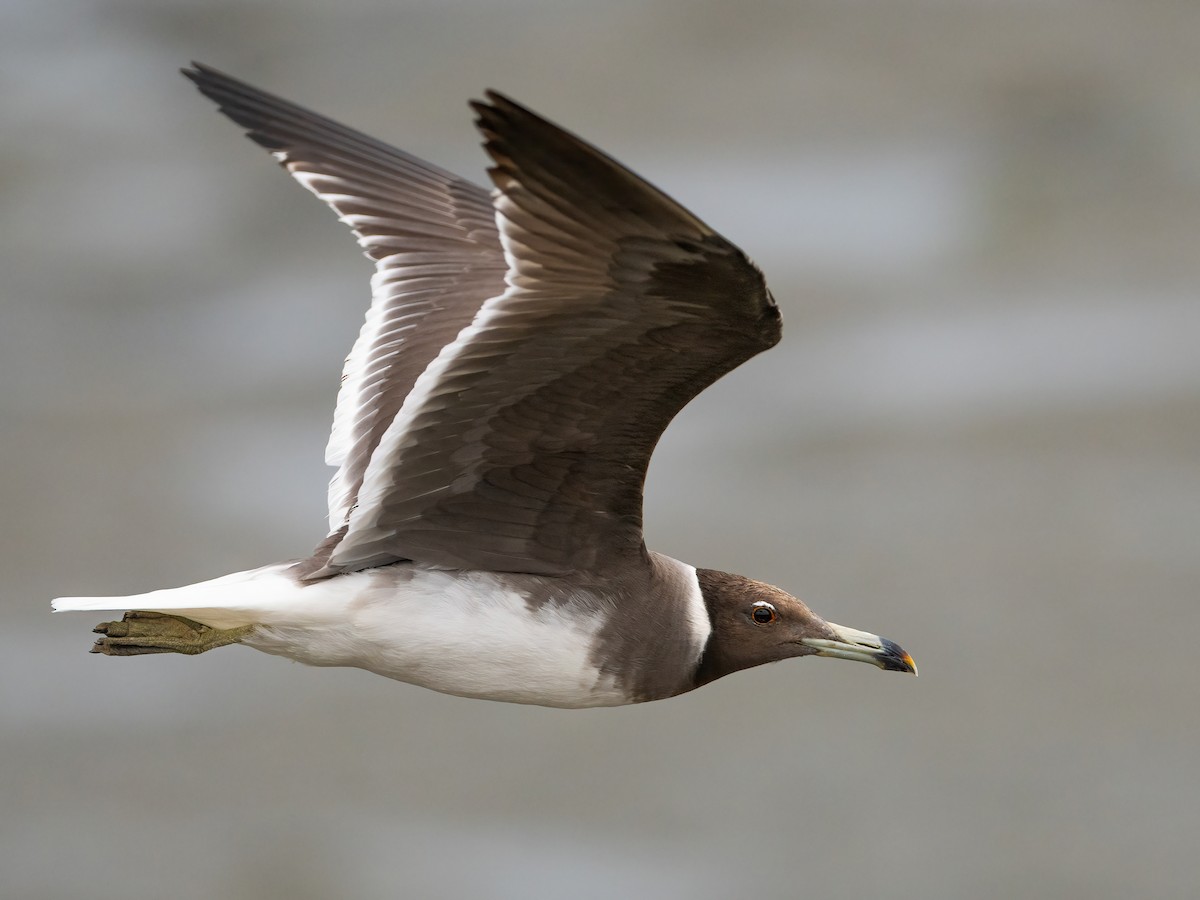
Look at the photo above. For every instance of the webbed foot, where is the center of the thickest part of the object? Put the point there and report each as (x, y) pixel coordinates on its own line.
(151, 632)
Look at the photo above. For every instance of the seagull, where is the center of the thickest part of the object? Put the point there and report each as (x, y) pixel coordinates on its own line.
(523, 352)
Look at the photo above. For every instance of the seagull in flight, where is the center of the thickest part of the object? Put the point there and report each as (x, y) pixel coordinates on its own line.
(523, 352)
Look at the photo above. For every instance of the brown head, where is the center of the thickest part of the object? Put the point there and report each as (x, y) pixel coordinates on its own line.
(755, 623)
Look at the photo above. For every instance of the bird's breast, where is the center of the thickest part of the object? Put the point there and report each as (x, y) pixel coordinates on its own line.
(473, 634)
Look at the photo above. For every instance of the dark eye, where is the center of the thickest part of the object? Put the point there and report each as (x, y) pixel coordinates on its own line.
(763, 614)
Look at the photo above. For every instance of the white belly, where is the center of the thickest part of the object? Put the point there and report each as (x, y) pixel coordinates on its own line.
(459, 633)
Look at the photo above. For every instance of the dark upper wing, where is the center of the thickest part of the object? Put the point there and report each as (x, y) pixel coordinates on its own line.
(431, 234)
(523, 447)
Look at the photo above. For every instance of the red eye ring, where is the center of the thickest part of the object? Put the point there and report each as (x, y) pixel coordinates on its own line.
(763, 614)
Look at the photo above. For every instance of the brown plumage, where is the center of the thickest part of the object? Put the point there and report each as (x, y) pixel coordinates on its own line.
(522, 355)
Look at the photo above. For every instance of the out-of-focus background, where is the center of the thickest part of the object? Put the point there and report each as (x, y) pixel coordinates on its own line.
(980, 437)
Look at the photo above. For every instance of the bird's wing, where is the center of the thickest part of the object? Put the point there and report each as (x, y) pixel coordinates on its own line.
(524, 445)
(431, 234)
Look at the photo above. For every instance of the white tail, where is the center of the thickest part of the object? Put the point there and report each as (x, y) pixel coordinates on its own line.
(258, 596)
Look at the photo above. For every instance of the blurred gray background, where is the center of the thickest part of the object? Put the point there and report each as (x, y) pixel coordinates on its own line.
(980, 437)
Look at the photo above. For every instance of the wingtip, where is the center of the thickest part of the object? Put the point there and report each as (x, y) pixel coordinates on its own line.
(488, 114)
(499, 98)
(498, 115)
(479, 107)
(490, 96)
(194, 70)
(205, 76)
(496, 102)
(488, 104)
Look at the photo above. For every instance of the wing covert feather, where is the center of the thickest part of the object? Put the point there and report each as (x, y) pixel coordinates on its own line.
(523, 446)
(433, 239)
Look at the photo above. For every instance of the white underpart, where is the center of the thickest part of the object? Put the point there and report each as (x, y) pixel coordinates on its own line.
(464, 633)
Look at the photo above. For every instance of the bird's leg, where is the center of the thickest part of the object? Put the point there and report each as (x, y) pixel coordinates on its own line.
(151, 632)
